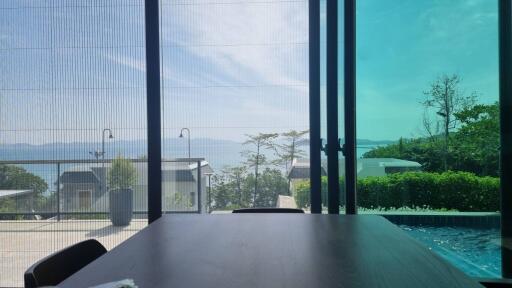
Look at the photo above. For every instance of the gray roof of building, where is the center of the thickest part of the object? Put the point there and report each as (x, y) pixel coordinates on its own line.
(178, 176)
(69, 177)
(302, 173)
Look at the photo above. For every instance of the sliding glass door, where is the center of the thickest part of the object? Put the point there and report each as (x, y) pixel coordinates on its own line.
(426, 155)
(235, 105)
(334, 78)
(428, 111)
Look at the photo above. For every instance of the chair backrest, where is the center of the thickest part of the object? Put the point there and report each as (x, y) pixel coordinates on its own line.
(55, 268)
(268, 210)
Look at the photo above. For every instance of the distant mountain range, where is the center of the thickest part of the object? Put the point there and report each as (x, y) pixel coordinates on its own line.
(367, 142)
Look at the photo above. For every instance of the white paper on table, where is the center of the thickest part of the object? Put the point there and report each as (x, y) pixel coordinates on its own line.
(126, 283)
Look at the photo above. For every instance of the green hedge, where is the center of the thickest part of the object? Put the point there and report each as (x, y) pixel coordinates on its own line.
(461, 191)
(302, 193)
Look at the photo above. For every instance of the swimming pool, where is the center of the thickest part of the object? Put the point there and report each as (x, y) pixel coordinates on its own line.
(474, 251)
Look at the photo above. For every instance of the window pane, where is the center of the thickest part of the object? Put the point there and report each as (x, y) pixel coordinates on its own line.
(235, 86)
(324, 103)
(323, 99)
(71, 75)
(427, 124)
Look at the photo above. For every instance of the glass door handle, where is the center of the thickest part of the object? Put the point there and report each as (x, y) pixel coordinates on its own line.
(323, 147)
(341, 147)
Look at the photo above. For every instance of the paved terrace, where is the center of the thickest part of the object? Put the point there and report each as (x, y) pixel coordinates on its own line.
(24, 242)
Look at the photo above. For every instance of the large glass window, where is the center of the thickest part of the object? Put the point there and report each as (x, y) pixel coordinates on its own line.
(235, 100)
(72, 127)
(235, 119)
(427, 124)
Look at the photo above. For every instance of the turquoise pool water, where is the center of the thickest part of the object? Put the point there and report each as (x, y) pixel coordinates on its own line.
(474, 251)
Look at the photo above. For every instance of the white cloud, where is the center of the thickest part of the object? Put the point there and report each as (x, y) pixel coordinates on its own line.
(256, 43)
(131, 62)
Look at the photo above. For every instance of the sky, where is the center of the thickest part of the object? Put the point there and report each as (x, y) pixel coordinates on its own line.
(70, 68)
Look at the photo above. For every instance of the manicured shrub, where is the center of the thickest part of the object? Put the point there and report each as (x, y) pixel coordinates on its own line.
(461, 191)
(302, 194)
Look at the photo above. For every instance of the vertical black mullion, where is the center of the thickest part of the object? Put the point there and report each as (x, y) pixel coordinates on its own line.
(350, 106)
(314, 107)
(333, 185)
(505, 76)
(153, 110)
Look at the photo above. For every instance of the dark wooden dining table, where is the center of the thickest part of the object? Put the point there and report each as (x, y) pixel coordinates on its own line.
(272, 250)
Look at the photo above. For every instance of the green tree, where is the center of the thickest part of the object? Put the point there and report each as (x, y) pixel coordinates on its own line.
(15, 177)
(233, 188)
(445, 97)
(474, 146)
(122, 174)
(7, 205)
(422, 150)
(290, 150)
(477, 142)
(255, 157)
(230, 189)
(237, 175)
(222, 190)
(272, 184)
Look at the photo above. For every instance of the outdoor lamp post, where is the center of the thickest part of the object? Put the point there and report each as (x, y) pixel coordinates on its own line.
(110, 136)
(102, 153)
(97, 154)
(188, 134)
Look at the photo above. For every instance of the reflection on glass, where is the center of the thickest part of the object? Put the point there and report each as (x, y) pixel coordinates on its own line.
(427, 124)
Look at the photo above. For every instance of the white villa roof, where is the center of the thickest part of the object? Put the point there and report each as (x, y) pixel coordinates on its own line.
(367, 166)
(10, 193)
(385, 162)
(389, 162)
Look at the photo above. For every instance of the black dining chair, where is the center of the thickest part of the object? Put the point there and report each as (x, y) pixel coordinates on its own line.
(55, 268)
(268, 210)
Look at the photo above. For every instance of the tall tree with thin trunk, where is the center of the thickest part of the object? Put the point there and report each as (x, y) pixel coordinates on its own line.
(291, 149)
(446, 99)
(255, 157)
(238, 175)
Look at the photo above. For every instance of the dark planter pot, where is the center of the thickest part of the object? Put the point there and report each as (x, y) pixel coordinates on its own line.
(121, 206)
